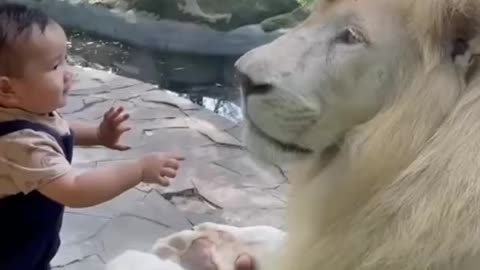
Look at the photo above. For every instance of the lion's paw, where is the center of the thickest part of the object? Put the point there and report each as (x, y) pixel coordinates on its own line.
(209, 246)
(193, 250)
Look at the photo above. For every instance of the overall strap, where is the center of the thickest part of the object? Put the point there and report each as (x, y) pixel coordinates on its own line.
(16, 125)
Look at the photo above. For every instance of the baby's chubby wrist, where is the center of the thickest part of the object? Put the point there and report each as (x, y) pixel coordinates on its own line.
(140, 164)
(99, 137)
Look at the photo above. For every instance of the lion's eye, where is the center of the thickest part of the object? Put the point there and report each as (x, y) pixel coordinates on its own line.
(349, 36)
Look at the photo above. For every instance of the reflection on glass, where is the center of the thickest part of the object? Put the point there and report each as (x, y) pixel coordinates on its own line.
(205, 80)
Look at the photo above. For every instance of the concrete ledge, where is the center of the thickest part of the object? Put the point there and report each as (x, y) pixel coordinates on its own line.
(142, 30)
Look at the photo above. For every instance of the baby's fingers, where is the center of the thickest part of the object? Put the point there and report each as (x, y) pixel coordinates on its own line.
(123, 129)
(172, 163)
(119, 119)
(118, 111)
(108, 114)
(179, 158)
(121, 147)
(163, 181)
(168, 172)
(176, 157)
(113, 113)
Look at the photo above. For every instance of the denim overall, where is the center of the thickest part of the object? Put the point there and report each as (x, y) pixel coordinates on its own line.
(30, 224)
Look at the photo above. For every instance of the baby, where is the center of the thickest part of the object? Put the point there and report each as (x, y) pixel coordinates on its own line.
(36, 177)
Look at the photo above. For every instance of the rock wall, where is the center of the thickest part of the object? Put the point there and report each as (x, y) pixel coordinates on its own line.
(222, 15)
(145, 30)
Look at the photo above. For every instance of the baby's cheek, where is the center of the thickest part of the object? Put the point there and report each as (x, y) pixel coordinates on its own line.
(56, 79)
(49, 85)
(199, 256)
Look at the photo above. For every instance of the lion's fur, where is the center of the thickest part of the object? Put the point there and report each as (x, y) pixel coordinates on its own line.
(403, 191)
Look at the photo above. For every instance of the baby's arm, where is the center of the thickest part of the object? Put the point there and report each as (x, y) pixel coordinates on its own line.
(34, 161)
(103, 184)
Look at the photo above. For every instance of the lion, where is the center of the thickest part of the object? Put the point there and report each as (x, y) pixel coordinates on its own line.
(377, 103)
(375, 106)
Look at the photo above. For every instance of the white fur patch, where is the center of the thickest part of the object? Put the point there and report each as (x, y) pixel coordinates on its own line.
(138, 260)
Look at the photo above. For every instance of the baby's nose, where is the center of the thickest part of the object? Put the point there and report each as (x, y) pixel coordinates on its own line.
(67, 79)
(68, 75)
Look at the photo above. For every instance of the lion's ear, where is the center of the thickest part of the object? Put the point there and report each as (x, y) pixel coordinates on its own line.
(473, 70)
(434, 24)
(465, 53)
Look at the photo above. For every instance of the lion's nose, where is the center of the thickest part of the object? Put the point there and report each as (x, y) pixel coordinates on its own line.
(249, 86)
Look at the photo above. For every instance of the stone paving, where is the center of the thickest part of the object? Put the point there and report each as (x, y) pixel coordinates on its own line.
(219, 181)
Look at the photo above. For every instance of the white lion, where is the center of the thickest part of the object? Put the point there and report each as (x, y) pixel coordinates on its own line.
(377, 102)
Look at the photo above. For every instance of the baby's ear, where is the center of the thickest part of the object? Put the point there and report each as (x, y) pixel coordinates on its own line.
(9, 94)
(6, 90)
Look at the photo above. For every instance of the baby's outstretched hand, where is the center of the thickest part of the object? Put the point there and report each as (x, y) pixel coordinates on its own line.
(157, 166)
(111, 129)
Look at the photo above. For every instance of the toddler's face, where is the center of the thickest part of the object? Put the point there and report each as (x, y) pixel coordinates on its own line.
(46, 78)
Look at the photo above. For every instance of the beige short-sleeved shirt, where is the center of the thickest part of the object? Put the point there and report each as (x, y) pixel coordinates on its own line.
(28, 158)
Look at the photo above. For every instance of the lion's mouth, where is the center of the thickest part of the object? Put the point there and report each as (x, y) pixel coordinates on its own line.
(286, 147)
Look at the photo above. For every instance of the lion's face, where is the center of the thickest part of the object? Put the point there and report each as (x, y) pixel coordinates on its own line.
(304, 91)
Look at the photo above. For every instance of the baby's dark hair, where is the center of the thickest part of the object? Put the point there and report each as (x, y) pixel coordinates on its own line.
(15, 20)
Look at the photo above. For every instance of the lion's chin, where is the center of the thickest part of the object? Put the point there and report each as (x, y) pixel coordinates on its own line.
(271, 151)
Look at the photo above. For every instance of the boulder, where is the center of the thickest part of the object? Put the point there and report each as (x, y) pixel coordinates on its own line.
(221, 15)
(286, 20)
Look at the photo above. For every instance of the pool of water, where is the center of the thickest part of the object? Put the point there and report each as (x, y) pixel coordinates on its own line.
(205, 80)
